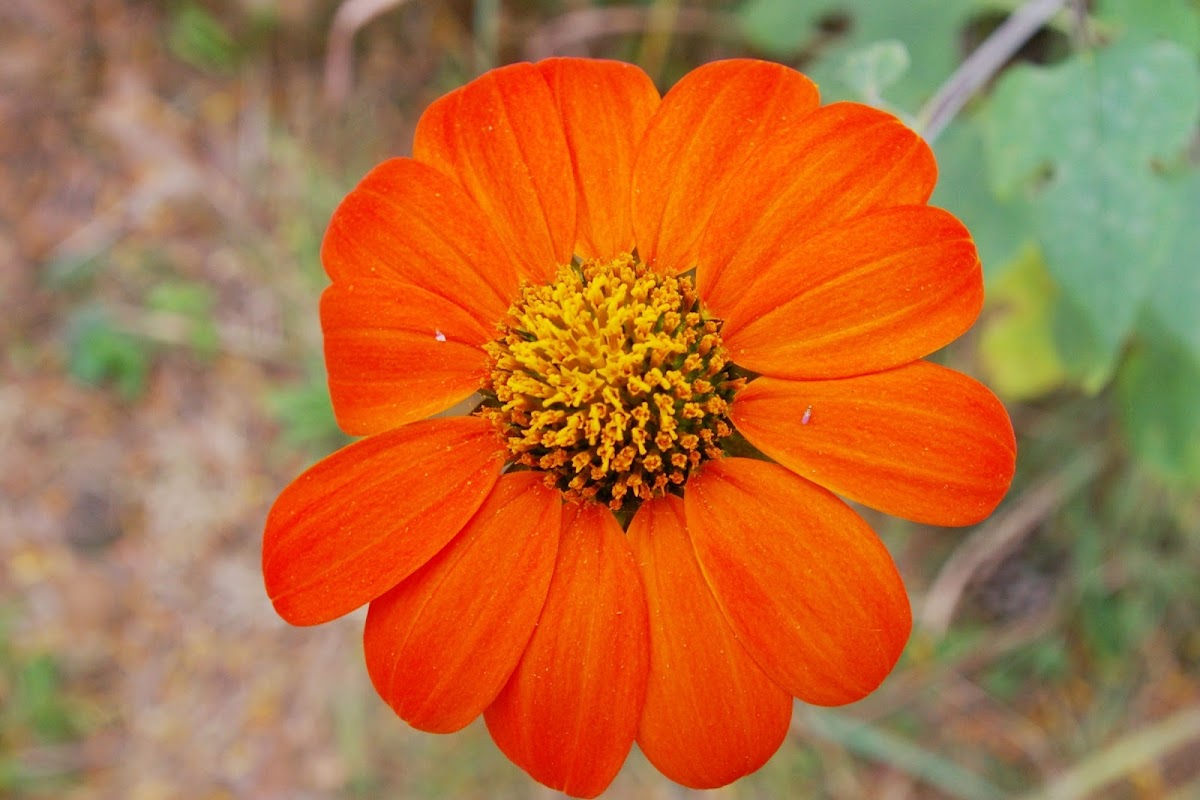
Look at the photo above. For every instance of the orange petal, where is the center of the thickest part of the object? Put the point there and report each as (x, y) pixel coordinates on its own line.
(360, 521)
(867, 295)
(440, 646)
(569, 714)
(711, 714)
(501, 138)
(842, 161)
(707, 131)
(409, 222)
(921, 442)
(605, 107)
(808, 588)
(396, 353)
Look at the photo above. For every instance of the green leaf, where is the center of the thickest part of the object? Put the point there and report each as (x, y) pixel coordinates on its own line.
(1045, 660)
(1111, 624)
(100, 352)
(199, 39)
(929, 29)
(1175, 20)
(41, 700)
(306, 414)
(187, 298)
(1017, 344)
(999, 227)
(1158, 394)
(872, 69)
(777, 27)
(1088, 360)
(194, 302)
(1086, 142)
(1175, 295)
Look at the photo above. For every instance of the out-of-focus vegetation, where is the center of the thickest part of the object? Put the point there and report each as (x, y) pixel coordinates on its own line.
(168, 169)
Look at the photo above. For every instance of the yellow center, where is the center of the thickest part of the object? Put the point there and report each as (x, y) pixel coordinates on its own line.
(611, 381)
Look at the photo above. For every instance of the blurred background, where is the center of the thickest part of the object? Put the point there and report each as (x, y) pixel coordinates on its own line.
(166, 173)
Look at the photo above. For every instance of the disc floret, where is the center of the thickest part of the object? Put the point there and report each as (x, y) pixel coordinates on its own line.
(611, 380)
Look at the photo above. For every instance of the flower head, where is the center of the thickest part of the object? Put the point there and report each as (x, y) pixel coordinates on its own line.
(692, 321)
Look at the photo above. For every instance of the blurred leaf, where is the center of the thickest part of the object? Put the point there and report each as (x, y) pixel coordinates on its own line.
(1017, 342)
(35, 710)
(40, 702)
(1045, 661)
(999, 228)
(1158, 392)
(73, 270)
(1086, 139)
(1113, 624)
(929, 29)
(1175, 296)
(1176, 20)
(100, 352)
(181, 297)
(306, 414)
(197, 38)
(1087, 358)
(777, 26)
(194, 302)
(871, 69)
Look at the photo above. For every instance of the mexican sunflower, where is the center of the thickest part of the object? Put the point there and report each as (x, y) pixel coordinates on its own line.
(691, 325)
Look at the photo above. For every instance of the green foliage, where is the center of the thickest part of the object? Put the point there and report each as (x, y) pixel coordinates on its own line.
(34, 711)
(1045, 660)
(1133, 564)
(1175, 296)
(193, 303)
(999, 227)
(198, 38)
(929, 29)
(306, 414)
(105, 351)
(1158, 391)
(1086, 142)
(100, 352)
(73, 270)
(1175, 20)
(1017, 341)
(1075, 180)
(38, 701)
(870, 70)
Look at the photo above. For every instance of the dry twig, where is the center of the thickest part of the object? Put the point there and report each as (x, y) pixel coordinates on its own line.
(339, 57)
(984, 63)
(1109, 764)
(988, 545)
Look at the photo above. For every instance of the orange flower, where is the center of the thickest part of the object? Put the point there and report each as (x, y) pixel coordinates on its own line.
(692, 321)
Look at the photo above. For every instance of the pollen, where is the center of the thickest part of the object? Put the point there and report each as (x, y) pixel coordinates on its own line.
(612, 381)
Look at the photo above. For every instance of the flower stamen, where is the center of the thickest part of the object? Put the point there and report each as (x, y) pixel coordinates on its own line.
(611, 381)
